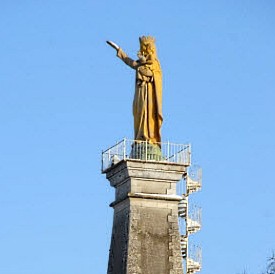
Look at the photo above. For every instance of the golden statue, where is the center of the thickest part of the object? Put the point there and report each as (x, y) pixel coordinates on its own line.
(147, 104)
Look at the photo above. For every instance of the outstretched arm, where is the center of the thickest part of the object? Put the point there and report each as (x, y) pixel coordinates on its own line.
(123, 56)
(127, 60)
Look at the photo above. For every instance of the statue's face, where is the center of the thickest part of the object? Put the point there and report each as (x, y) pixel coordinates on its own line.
(146, 49)
(149, 49)
(143, 49)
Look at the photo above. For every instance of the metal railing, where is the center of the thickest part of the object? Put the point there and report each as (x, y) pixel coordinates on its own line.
(194, 260)
(145, 151)
(193, 221)
(190, 218)
(194, 179)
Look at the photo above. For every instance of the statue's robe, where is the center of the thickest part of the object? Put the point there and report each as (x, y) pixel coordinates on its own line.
(147, 104)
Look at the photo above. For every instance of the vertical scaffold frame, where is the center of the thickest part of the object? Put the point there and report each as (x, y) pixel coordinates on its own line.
(190, 220)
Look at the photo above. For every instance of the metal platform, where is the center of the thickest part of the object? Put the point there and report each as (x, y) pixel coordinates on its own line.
(144, 151)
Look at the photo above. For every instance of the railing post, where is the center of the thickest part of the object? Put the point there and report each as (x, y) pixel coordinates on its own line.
(168, 150)
(102, 162)
(146, 150)
(124, 148)
(189, 154)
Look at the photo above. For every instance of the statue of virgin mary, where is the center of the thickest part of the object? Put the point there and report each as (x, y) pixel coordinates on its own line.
(147, 104)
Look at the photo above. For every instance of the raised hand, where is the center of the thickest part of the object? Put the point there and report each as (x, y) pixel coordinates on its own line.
(113, 45)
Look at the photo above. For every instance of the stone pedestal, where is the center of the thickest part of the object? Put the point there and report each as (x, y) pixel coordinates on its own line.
(145, 237)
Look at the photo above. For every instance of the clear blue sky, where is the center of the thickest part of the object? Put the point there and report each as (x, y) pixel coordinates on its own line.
(64, 97)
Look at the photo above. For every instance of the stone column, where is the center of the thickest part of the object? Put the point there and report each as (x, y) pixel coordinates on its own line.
(145, 237)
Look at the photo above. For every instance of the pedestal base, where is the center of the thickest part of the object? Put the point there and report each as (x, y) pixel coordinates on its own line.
(146, 151)
(145, 236)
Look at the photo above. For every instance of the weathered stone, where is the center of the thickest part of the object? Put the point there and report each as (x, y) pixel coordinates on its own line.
(145, 236)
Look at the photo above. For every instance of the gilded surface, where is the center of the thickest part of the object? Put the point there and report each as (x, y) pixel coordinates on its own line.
(147, 104)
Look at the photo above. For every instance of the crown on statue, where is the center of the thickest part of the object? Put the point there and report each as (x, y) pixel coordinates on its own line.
(147, 40)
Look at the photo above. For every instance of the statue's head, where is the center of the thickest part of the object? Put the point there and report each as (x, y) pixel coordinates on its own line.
(147, 45)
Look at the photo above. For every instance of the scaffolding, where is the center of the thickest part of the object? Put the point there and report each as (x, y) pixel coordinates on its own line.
(190, 219)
